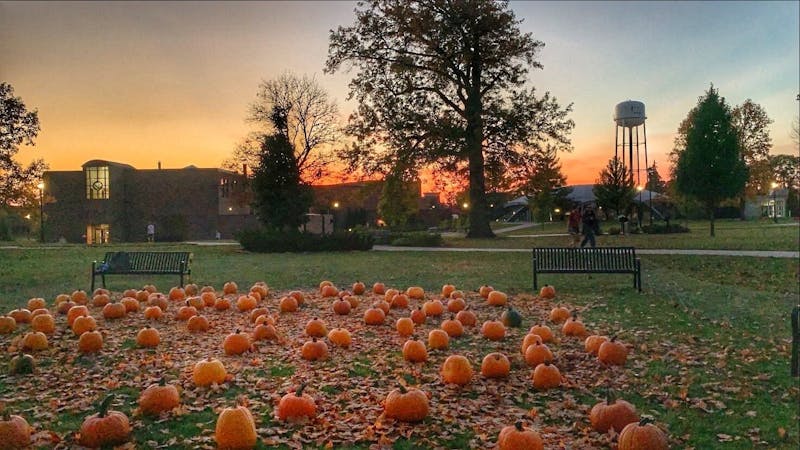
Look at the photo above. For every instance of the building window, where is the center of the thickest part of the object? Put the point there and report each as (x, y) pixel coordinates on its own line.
(224, 187)
(96, 182)
(98, 234)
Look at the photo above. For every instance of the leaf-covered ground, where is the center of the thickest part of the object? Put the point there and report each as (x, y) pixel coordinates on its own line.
(350, 385)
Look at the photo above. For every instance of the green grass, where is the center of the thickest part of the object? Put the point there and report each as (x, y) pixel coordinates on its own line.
(716, 327)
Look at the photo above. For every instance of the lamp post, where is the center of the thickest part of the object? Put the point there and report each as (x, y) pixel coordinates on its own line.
(774, 202)
(639, 208)
(41, 211)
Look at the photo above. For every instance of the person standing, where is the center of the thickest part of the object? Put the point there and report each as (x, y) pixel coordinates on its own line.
(151, 232)
(574, 226)
(590, 227)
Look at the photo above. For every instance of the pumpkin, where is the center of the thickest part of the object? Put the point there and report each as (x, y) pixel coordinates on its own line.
(60, 298)
(529, 339)
(433, 308)
(612, 413)
(262, 289)
(613, 352)
(559, 314)
(418, 316)
(196, 302)
(209, 298)
(447, 289)
(44, 323)
(230, 288)
(207, 288)
(389, 294)
(642, 436)
(383, 305)
(7, 324)
(399, 301)
(456, 370)
(342, 307)
(353, 300)
(296, 406)
(495, 365)
(105, 428)
(222, 304)
(75, 312)
(340, 337)
(467, 317)
(546, 376)
(236, 428)
(130, 304)
(177, 294)
(265, 319)
(543, 331)
(484, 290)
(493, 330)
(101, 291)
(538, 353)
(456, 294)
(153, 312)
(197, 324)
(114, 310)
(246, 302)
(299, 296)
(21, 315)
(38, 312)
(573, 326)
(374, 316)
(405, 326)
(378, 288)
(497, 298)
(415, 351)
(406, 405)
(453, 327)
(255, 313)
(324, 283)
(415, 292)
(79, 297)
(288, 304)
(329, 291)
(191, 289)
(359, 288)
(186, 312)
(592, 343)
(159, 397)
(100, 300)
(142, 296)
(64, 307)
(209, 371)
(314, 350)
(82, 324)
(22, 363)
(90, 342)
(517, 437)
(264, 332)
(38, 303)
(149, 288)
(15, 433)
(455, 305)
(158, 300)
(236, 343)
(316, 328)
(511, 317)
(547, 292)
(148, 337)
(438, 339)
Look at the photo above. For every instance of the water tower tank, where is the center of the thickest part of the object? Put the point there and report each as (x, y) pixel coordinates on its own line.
(629, 114)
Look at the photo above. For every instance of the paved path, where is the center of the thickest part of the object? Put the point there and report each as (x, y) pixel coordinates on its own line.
(643, 251)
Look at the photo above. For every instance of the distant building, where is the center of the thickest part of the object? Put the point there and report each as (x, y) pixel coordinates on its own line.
(770, 205)
(113, 202)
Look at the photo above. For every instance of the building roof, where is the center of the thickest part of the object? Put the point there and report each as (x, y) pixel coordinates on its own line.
(584, 193)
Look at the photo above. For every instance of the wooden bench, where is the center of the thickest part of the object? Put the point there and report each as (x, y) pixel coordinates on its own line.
(142, 263)
(586, 260)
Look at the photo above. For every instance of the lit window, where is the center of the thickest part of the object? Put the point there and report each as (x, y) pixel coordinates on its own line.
(96, 182)
(224, 187)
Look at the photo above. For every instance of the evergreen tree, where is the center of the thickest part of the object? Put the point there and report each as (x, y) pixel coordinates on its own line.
(710, 167)
(614, 189)
(398, 202)
(654, 181)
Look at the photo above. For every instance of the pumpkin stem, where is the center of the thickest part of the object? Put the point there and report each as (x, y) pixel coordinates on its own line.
(162, 381)
(402, 388)
(299, 391)
(518, 425)
(613, 338)
(645, 420)
(103, 408)
(610, 397)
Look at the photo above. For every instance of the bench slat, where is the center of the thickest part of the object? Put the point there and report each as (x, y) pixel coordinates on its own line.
(586, 260)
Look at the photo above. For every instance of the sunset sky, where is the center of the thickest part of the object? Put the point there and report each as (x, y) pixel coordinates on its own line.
(146, 82)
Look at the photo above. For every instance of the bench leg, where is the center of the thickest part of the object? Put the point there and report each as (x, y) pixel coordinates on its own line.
(535, 280)
(93, 275)
(103, 277)
(796, 341)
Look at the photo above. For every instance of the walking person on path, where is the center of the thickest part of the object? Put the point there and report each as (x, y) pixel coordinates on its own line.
(151, 232)
(590, 227)
(574, 226)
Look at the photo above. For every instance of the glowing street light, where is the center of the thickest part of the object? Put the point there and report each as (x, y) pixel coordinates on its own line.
(41, 211)
(465, 205)
(335, 204)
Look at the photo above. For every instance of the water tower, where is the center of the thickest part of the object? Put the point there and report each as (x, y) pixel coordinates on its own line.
(629, 117)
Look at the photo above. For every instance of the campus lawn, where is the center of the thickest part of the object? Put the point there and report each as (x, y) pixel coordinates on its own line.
(709, 338)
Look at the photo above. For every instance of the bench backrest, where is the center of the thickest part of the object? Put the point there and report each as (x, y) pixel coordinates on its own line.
(133, 262)
(621, 259)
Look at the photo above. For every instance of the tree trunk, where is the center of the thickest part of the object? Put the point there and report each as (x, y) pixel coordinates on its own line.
(742, 206)
(478, 208)
(711, 218)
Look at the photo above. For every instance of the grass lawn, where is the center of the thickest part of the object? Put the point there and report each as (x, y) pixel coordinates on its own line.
(730, 235)
(709, 341)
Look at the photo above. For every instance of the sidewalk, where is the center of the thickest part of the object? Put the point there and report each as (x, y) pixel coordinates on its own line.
(643, 251)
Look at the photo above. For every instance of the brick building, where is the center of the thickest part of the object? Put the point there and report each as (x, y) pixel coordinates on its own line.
(113, 202)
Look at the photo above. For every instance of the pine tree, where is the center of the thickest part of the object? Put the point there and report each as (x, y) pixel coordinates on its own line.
(614, 189)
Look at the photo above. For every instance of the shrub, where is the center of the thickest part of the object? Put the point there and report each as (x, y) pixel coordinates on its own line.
(264, 241)
(658, 228)
(418, 239)
(614, 230)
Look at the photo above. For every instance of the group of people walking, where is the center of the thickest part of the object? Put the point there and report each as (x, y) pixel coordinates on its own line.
(583, 221)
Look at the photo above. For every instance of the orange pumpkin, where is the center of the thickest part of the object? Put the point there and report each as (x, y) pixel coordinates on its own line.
(642, 436)
(405, 326)
(418, 316)
(90, 342)
(329, 291)
(197, 324)
(35, 340)
(497, 298)
(7, 324)
(613, 352)
(142, 296)
(208, 372)
(148, 337)
(546, 376)
(230, 288)
(236, 343)
(106, 428)
(415, 292)
(467, 317)
(114, 310)
(433, 308)
(438, 339)
(264, 332)
(383, 305)
(359, 288)
(296, 406)
(246, 302)
(399, 301)
(353, 300)
(316, 328)
(453, 327)
(456, 305)
(21, 315)
(208, 298)
(265, 319)
(493, 330)
(288, 304)
(191, 289)
(456, 294)
(340, 337)
(222, 304)
(406, 405)
(573, 326)
(447, 289)
(44, 323)
(130, 304)
(529, 339)
(547, 292)
(543, 331)
(538, 353)
(456, 370)
(158, 300)
(592, 343)
(15, 433)
(612, 414)
(342, 307)
(236, 428)
(79, 297)
(262, 288)
(177, 294)
(153, 312)
(378, 288)
(102, 291)
(495, 365)
(299, 296)
(559, 314)
(258, 312)
(39, 303)
(517, 437)
(100, 300)
(415, 351)
(83, 324)
(64, 307)
(314, 350)
(149, 288)
(374, 316)
(485, 290)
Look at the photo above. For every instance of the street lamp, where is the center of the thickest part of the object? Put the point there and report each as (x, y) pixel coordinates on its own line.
(465, 205)
(41, 211)
(639, 208)
(774, 202)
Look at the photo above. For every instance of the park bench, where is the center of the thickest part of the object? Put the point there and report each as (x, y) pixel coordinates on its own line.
(142, 263)
(586, 260)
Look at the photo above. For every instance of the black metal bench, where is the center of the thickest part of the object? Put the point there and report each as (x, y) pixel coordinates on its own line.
(142, 263)
(587, 260)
